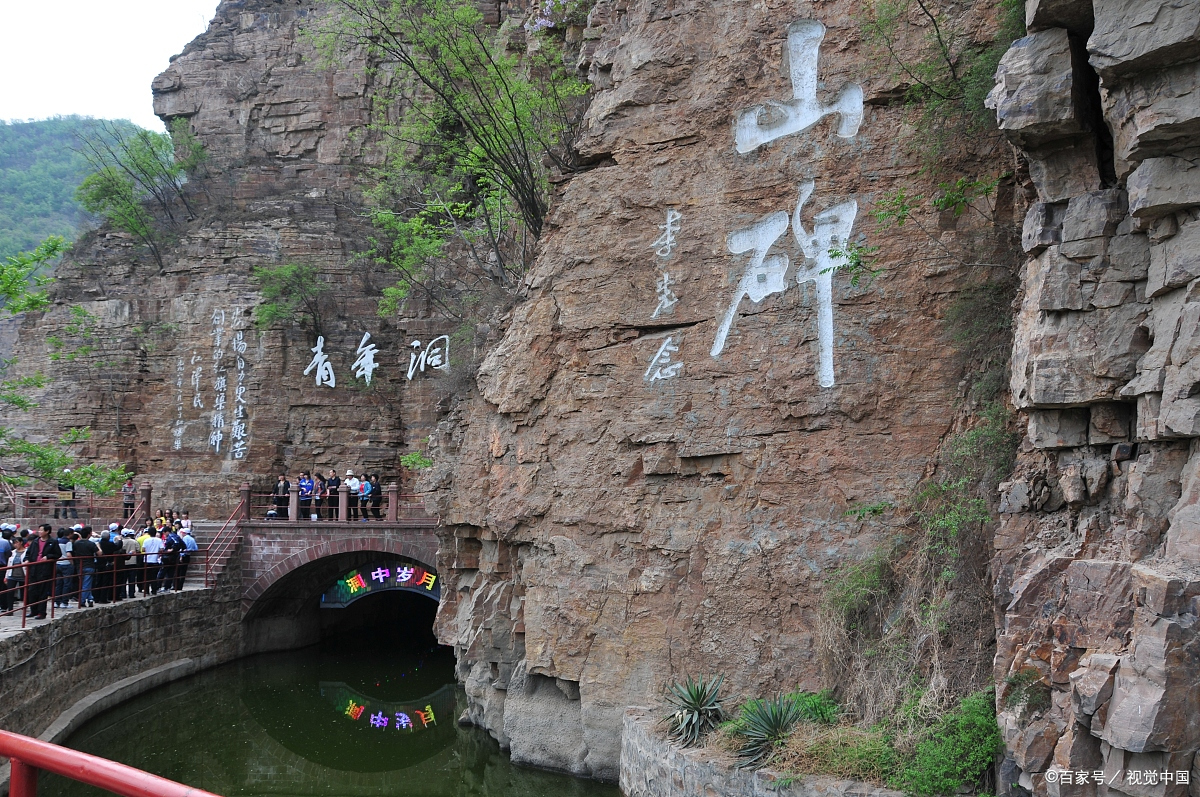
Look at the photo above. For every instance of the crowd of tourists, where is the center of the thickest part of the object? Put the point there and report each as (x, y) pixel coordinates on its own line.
(320, 497)
(82, 565)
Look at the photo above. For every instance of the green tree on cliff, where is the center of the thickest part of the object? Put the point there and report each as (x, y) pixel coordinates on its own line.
(483, 124)
(22, 460)
(137, 180)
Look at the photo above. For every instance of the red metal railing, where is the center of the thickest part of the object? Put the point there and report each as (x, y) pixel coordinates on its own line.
(41, 595)
(29, 756)
(222, 543)
(70, 505)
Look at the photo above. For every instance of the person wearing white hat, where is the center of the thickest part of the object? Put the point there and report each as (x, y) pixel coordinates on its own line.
(352, 482)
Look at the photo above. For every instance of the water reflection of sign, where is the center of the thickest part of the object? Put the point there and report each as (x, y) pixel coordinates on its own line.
(380, 577)
(411, 716)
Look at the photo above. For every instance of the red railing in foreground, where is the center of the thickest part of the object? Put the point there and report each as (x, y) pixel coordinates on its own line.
(29, 756)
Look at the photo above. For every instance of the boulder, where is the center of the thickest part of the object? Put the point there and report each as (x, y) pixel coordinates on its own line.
(1043, 226)
(1038, 96)
(1175, 261)
(1064, 169)
(1153, 114)
(1074, 15)
(1128, 258)
(1109, 423)
(1164, 185)
(1140, 36)
(1089, 220)
(1057, 428)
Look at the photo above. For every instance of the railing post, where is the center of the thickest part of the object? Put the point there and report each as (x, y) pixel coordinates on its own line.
(22, 779)
(245, 491)
(294, 503)
(393, 493)
(344, 502)
(146, 491)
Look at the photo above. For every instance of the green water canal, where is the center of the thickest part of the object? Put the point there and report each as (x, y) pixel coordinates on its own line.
(365, 714)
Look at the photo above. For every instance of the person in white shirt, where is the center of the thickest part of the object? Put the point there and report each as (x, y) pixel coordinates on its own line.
(152, 548)
(352, 482)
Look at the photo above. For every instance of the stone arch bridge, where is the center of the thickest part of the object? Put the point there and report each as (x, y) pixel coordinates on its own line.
(283, 566)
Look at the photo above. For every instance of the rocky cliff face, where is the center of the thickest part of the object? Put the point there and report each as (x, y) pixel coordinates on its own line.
(181, 387)
(655, 477)
(1098, 553)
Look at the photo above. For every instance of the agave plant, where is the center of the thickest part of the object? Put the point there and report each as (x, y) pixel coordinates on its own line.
(697, 709)
(765, 724)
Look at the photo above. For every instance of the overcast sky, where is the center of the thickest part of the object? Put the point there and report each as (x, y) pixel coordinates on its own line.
(91, 57)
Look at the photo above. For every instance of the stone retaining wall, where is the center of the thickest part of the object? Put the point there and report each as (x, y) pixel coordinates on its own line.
(48, 669)
(653, 767)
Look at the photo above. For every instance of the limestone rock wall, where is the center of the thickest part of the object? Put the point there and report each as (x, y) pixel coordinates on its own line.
(655, 477)
(172, 349)
(1098, 554)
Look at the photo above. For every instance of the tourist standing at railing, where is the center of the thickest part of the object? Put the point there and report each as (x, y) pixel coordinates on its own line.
(320, 494)
(127, 566)
(282, 488)
(353, 498)
(364, 496)
(376, 496)
(110, 545)
(152, 549)
(172, 548)
(128, 494)
(143, 571)
(83, 554)
(6, 545)
(41, 554)
(64, 571)
(185, 558)
(66, 496)
(306, 496)
(14, 577)
(332, 484)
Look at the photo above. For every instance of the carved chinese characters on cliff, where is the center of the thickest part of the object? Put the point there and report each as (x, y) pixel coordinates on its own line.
(661, 365)
(765, 273)
(422, 357)
(222, 414)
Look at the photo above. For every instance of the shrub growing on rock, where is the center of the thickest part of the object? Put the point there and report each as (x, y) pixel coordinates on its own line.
(697, 709)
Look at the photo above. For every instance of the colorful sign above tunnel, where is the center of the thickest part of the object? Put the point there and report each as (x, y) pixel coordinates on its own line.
(381, 577)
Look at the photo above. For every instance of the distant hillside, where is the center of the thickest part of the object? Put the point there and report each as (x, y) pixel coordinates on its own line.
(39, 171)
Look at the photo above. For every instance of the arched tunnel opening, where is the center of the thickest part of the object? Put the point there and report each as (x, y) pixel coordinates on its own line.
(383, 618)
(371, 598)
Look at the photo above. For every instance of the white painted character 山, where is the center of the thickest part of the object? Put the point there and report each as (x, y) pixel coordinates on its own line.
(365, 365)
(763, 275)
(320, 363)
(831, 231)
(435, 355)
(665, 244)
(772, 120)
(661, 366)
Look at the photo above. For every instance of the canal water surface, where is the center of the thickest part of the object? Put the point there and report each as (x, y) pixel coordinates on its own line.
(351, 716)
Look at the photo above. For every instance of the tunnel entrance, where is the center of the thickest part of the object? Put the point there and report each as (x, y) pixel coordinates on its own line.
(391, 617)
(361, 593)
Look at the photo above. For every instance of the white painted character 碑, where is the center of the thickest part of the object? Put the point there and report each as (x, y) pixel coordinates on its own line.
(771, 120)
(661, 366)
(763, 275)
(320, 363)
(831, 231)
(365, 365)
